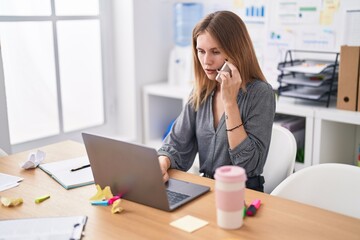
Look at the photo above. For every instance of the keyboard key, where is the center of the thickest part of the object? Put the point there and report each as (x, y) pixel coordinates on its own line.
(175, 197)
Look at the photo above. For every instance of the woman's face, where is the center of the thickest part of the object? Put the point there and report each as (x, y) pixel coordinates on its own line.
(209, 54)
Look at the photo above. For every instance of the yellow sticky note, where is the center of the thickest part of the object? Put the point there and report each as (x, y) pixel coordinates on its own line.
(98, 195)
(102, 194)
(11, 202)
(189, 223)
(107, 193)
(238, 3)
(116, 207)
(326, 17)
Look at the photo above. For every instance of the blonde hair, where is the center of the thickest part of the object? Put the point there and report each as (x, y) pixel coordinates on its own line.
(230, 32)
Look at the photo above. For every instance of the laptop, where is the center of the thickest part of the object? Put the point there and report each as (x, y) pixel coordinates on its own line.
(133, 170)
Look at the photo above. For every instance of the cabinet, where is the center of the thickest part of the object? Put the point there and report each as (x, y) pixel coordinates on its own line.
(307, 78)
(331, 135)
(162, 104)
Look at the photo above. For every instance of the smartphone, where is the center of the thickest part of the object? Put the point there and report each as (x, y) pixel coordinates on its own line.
(225, 68)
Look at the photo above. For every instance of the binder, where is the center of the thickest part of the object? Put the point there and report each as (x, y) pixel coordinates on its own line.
(348, 83)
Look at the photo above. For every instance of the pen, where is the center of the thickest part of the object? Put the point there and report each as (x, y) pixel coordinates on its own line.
(100, 203)
(79, 168)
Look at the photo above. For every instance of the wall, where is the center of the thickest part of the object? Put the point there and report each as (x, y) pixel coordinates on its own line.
(152, 45)
(144, 38)
(142, 43)
(124, 67)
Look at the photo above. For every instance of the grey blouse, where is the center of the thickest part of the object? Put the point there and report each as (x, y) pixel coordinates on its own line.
(193, 132)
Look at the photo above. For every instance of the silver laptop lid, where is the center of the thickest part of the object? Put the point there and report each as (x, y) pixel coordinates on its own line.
(133, 170)
(127, 169)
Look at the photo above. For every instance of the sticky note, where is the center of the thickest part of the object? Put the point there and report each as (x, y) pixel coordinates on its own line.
(107, 193)
(189, 223)
(11, 202)
(102, 194)
(116, 207)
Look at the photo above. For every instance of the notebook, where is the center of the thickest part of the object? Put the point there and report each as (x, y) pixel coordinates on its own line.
(133, 170)
(63, 172)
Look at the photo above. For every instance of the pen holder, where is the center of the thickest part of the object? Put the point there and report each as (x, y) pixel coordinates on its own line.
(229, 194)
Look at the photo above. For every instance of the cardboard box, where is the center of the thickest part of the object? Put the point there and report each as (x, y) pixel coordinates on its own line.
(349, 83)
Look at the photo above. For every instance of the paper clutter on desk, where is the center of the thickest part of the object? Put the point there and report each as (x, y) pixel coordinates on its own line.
(105, 198)
(8, 181)
(11, 202)
(33, 160)
(102, 194)
(116, 207)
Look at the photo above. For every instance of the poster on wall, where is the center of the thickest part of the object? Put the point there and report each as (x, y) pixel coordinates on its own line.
(278, 41)
(298, 11)
(251, 10)
(316, 39)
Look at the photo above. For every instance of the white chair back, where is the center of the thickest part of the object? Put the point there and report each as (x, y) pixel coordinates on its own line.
(331, 186)
(281, 158)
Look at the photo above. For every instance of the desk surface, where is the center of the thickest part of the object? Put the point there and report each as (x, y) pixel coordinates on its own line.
(276, 219)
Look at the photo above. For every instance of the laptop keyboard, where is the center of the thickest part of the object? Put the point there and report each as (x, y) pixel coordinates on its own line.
(175, 197)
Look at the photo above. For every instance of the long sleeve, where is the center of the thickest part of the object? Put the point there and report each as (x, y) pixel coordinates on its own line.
(180, 144)
(258, 111)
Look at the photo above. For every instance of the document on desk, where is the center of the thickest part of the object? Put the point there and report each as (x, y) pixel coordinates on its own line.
(70, 173)
(8, 181)
(43, 228)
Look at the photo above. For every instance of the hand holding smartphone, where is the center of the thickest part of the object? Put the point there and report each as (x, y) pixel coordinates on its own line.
(225, 68)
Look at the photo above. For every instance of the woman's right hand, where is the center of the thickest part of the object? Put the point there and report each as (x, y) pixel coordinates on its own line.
(164, 166)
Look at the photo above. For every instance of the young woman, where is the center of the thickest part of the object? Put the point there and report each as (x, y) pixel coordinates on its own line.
(227, 122)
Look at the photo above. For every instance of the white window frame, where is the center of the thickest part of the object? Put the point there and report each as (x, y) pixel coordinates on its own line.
(110, 111)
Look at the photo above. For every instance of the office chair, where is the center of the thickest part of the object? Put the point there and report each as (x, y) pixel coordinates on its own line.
(2, 153)
(195, 168)
(331, 186)
(280, 161)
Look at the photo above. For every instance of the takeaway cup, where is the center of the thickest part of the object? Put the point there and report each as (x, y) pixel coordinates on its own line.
(229, 194)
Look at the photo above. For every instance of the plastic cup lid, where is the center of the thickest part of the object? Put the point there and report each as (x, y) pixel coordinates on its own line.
(230, 174)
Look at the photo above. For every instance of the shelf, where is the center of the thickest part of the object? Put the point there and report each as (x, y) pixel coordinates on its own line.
(167, 90)
(162, 104)
(338, 115)
(290, 106)
(303, 80)
(307, 92)
(306, 66)
(308, 79)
